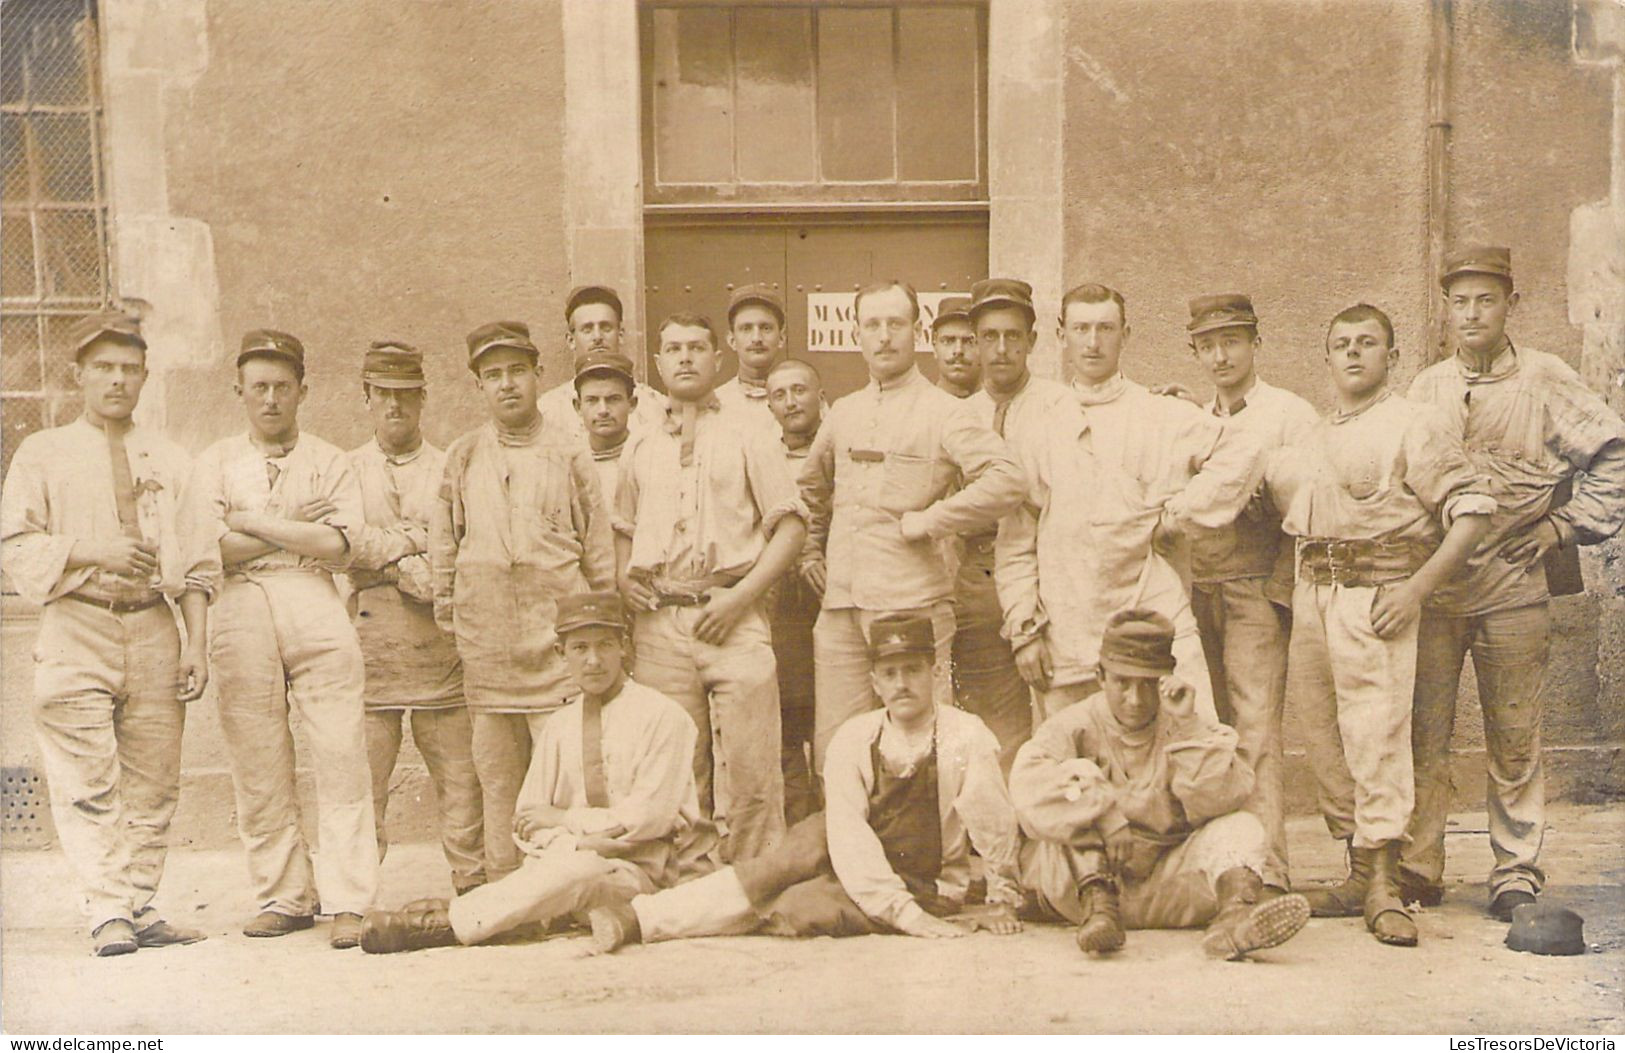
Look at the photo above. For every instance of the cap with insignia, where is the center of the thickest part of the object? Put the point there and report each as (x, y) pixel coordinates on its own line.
(272, 343)
(115, 324)
(1138, 642)
(1544, 928)
(494, 335)
(584, 610)
(764, 295)
(604, 363)
(901, 634)
(392, 364)
(1477, 259)
(952, 309)
(583, 294)
(1001, 292)
(1220, 312)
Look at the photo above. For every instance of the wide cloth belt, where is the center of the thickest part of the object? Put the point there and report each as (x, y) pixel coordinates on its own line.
(117, 606)
(670, 593)
(1357, 562)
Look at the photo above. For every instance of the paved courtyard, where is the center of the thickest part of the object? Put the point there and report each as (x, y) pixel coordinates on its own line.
(1331, 978)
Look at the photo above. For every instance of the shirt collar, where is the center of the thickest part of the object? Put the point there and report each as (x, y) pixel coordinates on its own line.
(899, 383)
(751, 389)
(1109, 390)
(273, 450)
(1340, 417)
(1503, 365)
(673, 420)
(399, 459)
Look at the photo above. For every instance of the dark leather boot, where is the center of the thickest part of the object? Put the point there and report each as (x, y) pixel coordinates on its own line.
(1248, 920)
(428, 924)
(1101, 931)
(1345, 900)
(1384, 911)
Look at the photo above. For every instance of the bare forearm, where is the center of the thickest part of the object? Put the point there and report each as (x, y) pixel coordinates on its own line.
(313, 540)
(1459, 543)
(237, 547)
(781, 553)
(195, 615)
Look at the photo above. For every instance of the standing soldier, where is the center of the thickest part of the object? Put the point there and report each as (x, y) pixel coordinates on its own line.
(97, 527)
(592, 325)
(412, 663)
(1241, 573)
(953, 344)
(519, 524)
(606, 397)
(795, 394)
(707, 518)
(1532, 424)
(1384, 506)
(898, 467)
(756, 335)
(287, 511)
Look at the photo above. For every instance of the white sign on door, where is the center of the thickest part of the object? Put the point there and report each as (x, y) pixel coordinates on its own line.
(830, 319)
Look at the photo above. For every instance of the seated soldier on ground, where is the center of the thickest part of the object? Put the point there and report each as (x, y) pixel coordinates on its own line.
(609, 804)
(1132, 803)
(911, 788)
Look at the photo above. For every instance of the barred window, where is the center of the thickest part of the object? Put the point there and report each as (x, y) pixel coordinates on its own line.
(54, 258)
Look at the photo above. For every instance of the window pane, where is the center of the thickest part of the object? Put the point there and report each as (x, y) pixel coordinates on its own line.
(62, 144)
(57, 357)
(16, 256)
(774, 126)
(19, 353)
(855, 94)
(18, 418)
(15, 39)
(56, 63)
(693, 89)
(73, 256)
(936, 103)
(13, 160)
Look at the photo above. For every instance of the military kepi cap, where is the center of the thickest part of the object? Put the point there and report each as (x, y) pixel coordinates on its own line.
(1477, 259)
(1000, 292)
(1138, 642)
(1543, 928)
(602, 363)
(592, 294)
(116, 324)
(584, 610)
(494, 335)
(757, 293)
(901, 634)
(1220, 312)
(392, 364)
(272, 343)
(952, 309)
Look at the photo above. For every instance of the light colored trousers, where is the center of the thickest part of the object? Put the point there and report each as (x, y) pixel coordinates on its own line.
(109, 729)
(280, 639)
(1179, 893)
(445, 738)
(545, 887)
(1244, 638)
(731, 691)
(501, 744)
(1509, 651)
(1355, 690)
(841, 652)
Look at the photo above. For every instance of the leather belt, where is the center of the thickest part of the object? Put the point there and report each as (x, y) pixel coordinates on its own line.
(689, 593)
(116, 606)
(1357, 562)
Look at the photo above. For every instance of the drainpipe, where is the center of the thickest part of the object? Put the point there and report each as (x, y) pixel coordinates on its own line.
(1441, 19)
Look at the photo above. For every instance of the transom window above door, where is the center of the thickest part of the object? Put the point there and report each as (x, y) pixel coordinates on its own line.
(781, 103)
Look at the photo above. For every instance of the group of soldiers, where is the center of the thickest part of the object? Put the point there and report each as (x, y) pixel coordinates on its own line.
(729, 659)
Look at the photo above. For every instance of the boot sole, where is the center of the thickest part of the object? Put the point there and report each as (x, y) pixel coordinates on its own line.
(608, 934)
(1269, 924)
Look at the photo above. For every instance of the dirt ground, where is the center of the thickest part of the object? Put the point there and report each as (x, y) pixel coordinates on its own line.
(1332, 978)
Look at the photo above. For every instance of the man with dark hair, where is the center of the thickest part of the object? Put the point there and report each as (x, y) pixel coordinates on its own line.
(97, 527)
(953, 344)
(756, 336)
(593, 325)
(1535, 427)
(1241, 573)
(606, 397)
(1131, 801)
(1384, 507)
(913, 787)
(412, 663)
(520, 523)
(287, 512)
(706, 519)
(795, 394)
(608, 807)
(898, 467)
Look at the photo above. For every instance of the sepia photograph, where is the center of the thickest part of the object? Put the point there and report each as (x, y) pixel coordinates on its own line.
(812, 517)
